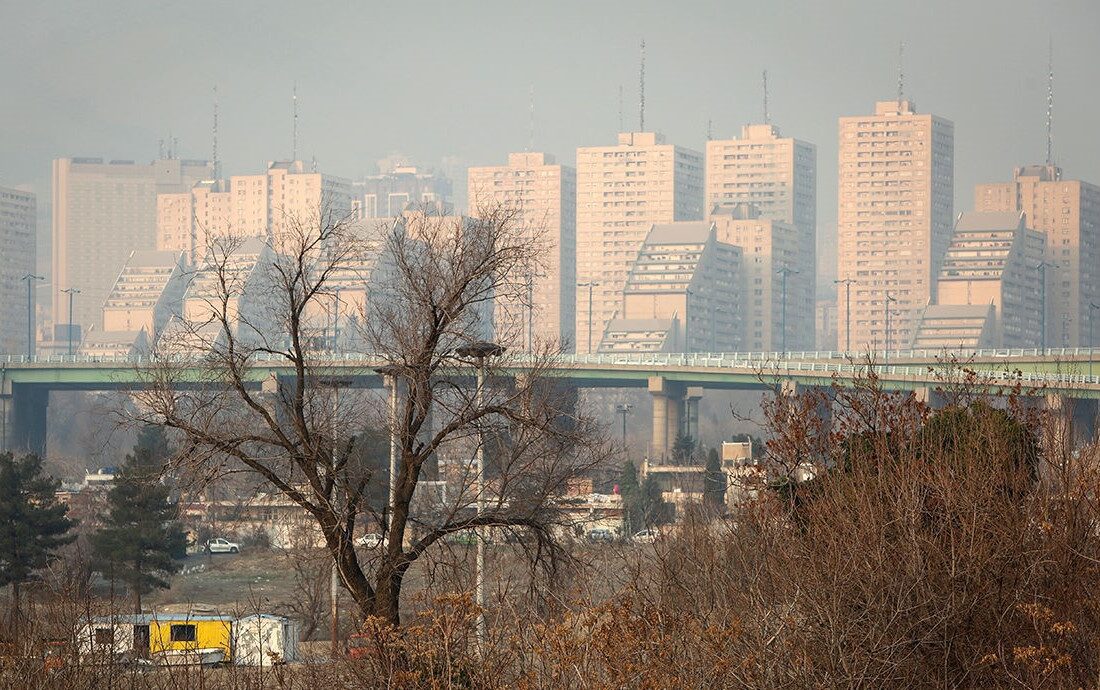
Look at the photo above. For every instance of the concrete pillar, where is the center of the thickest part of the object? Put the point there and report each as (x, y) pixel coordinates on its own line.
(667, 415)
(1058, 426)
(691, 412)
(6, 421)
(28, 416)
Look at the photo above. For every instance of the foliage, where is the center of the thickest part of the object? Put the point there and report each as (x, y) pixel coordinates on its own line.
(714, 481)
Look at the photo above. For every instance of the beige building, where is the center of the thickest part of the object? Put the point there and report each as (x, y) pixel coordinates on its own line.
(400, 187)
(102, 211)
(681, 294)
(990, 263)
(17, 258)
(773, 251)
(777, 175)
(543, 194)
(148, 293)
(261, 205)
(894, 220)
(622, 190)
(1067, 213)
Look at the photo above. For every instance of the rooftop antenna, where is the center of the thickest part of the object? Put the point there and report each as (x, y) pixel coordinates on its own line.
(709, 130)
(767, 117)
(531, 123)
(160, 149)
(294, 129)
(620, 107)
(1050, 102)
(214, 148)
(901, 73)
(641, 91)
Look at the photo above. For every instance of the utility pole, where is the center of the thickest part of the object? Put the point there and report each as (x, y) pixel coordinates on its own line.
(30, 278)
(847, 283)
(589, 285)
(479, 352)
(71, 291)
(886, 351)
(784, 272)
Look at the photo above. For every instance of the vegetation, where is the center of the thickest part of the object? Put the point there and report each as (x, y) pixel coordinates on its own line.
(142, 541)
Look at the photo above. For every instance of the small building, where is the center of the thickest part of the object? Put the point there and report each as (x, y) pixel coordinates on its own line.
(109, 638)
(264, 640)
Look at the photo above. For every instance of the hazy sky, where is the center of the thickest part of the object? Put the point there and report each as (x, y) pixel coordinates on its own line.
(451, 80)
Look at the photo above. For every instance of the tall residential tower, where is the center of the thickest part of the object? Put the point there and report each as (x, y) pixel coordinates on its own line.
(17, 258)
(894, 220)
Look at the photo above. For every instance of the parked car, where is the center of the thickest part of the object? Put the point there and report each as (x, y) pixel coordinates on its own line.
(220, 545)
(600, 536)
(646, 536)
(371, 540)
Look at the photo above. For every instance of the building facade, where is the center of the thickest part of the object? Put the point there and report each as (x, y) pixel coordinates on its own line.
(543, 196)
(102, 211)
(1067, 213)
(17, 259)
(622, 191)
(894, 222)
(399, 188)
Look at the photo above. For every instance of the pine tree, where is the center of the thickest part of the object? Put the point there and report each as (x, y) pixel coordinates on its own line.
(33, 525)
(714, 481)
(631, 491)
(141, 543)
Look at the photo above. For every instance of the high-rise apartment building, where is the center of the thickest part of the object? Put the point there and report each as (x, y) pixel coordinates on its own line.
(102, 211)
(17, 259)
(622, 191)
(401, 187)
(894, 220)
(777, 303)
(1067, 213)
(261, 205)
(543, 196)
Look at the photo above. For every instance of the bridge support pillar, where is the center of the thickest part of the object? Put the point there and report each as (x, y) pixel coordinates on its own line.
(667, 414)
(691, 412)
(928, 396)
(27, 430)
(1069, 424)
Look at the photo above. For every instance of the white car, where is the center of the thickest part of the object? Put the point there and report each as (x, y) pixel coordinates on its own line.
(220, 545)
(646, 536)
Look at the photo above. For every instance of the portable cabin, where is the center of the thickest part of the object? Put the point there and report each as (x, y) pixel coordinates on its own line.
(264, 640)
(108, 638)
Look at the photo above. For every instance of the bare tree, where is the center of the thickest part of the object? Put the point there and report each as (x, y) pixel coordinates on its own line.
(431, 295)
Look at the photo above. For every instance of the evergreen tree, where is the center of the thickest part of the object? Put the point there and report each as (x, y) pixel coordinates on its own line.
(714, 481)
(630, 490)
(141, 543)
(33, 525)
(683, 447)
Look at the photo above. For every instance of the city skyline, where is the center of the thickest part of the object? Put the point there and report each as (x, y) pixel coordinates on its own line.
(961, 63)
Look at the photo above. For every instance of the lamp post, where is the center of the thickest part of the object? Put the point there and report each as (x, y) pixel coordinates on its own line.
(71, 291)
(1042, 268)
(30, 278)
(1092, 306)
(590, 284)
(784, 271)
(624, 409)
(847, 283)
(479, 352)
(886, 351)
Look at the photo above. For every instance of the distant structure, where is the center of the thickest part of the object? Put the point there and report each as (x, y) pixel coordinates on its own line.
(18, 225)
(260, 205)
(985, 292)
(622, 190)
(398, 188)
(146, 295)
(894, 222)
(543, 193)
(774, 252)
(1067, 214)
(102, 211)
(681, 294)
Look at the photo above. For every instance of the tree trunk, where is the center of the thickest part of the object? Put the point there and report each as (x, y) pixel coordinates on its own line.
(137, 598)
(16, 614)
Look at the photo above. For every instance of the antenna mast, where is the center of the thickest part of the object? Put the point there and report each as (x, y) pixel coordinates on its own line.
(294, 133)
(214, 148)
(767, 117)
(1050, 103)
(531, 124)
(620, 107)
(901, 73)
(641, 91)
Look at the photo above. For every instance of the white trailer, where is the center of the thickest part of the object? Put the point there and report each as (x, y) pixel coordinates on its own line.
(263, 640)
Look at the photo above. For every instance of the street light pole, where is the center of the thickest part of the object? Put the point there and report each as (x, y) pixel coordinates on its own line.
(624, 409)
(784, 271)
(847, 283)
(480, 352)
(71, 291)
(30, 278)
(589, 285)
(886, 351)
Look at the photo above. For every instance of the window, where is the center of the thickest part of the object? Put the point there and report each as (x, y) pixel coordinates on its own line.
(104, 636)
(183, 633)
